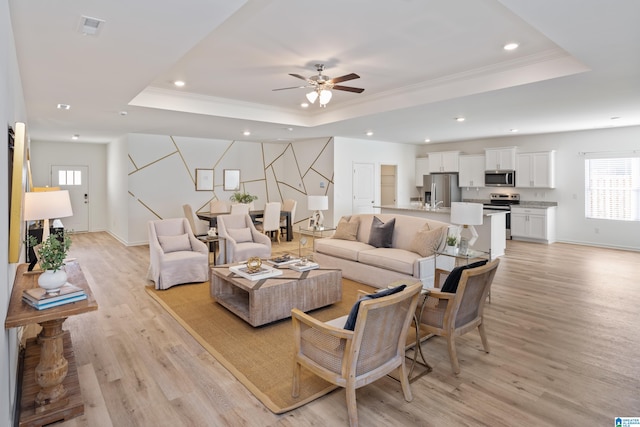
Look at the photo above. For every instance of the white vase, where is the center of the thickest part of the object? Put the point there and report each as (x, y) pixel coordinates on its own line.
(52, 281)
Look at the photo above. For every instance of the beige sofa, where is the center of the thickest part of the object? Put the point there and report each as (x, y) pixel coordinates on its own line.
(379, 266)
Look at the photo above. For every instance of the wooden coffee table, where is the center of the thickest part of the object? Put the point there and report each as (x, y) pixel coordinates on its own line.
(263, 301)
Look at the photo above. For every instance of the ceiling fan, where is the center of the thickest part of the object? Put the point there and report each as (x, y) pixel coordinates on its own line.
(323, 84)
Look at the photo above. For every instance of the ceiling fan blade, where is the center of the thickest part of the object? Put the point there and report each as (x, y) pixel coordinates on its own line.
(348, 88)
(344, 78)
(292, 87)
(299, 77)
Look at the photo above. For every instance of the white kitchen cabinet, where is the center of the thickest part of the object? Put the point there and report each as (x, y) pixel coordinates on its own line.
(445, 161)
(536, 170)
(471, 170)
(533, 224)
(422, 168)
(500, 158)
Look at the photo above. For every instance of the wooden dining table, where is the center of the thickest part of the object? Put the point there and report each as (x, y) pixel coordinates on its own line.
(259, 213)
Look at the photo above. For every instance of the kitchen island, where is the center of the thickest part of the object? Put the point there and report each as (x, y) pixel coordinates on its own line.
(492, 237)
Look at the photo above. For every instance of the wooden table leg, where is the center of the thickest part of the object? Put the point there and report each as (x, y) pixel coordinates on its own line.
(53, 367)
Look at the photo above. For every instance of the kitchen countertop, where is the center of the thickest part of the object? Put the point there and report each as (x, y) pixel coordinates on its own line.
(447, 211)
(522, 204)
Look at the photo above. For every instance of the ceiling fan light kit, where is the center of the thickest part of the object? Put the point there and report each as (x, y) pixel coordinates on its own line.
(322, 85)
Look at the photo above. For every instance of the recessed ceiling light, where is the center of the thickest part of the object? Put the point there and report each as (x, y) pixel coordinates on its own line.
(304, 105)
(369, 133)
(63, 106)
(459, 119)
(615, 118)
(179, 83)
(511, 46)
(76, 136)
(123, 113)
(290, 129)
(513, 130)
(427, 140)
(246, 133)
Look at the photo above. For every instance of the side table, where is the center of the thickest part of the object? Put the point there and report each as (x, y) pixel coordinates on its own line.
(50, 387)
(313, 231)
(214, 242)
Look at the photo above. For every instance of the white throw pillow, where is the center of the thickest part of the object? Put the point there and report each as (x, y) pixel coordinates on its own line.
(240, 234)
(176, 243)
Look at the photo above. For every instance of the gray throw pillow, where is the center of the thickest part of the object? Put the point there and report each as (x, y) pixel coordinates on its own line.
(381, 234)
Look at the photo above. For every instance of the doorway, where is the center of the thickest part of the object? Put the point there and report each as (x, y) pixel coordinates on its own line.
(363, 188)
(388, 184)
(75, 179)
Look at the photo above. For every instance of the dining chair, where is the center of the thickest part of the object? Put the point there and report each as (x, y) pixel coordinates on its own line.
(218, 206)
(271, 219)
(239, 209)
(289, 205)
(198, 227)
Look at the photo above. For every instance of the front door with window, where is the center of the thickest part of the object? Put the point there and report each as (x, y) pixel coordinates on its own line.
(75, 179)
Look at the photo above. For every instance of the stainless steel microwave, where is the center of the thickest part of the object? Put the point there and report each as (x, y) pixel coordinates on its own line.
(505, 178)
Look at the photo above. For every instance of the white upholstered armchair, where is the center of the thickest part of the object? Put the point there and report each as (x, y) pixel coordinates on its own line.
(242, 239)
(176, 255)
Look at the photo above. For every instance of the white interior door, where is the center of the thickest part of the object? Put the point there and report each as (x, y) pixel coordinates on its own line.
(76, 180)
(388, 184)
(363, 187)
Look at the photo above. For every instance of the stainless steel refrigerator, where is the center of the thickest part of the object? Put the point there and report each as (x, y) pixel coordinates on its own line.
(441, 187)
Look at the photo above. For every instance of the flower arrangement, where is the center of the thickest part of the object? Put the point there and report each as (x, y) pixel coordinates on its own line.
(53, 251)
(241, 197)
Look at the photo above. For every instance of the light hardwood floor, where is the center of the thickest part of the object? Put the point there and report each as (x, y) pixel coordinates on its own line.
(562, 325)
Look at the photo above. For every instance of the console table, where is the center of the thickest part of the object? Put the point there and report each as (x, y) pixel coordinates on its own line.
(50, 388)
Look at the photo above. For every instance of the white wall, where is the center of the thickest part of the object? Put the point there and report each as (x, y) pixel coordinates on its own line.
(161, 175)
(12, 110)
(44, 154)
(348, 151)
(572, 226)
(117, 189)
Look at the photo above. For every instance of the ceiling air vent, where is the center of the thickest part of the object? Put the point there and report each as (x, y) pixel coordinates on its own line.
(90, 26)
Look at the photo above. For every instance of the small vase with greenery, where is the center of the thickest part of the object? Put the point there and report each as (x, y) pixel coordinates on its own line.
(241, 197)
(51, 255)
(452, 240)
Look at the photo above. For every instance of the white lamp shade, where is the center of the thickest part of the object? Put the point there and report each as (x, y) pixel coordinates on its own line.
(312, 96)
(463, 213)
(318, 203)
(325, 96)
(46, 205)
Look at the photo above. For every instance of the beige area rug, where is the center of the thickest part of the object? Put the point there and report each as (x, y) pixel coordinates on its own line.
(260, 358)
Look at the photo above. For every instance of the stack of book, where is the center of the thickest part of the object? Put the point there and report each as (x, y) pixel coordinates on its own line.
(262, 273)
(283, 260)
(38, 298)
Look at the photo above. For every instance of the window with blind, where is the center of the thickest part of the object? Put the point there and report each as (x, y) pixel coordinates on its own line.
(612, 187)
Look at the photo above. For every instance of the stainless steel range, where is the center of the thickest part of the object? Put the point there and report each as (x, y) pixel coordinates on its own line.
(503, 202)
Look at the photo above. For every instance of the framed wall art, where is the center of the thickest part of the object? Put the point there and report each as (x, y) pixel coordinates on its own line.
(231, 180)
(16, 160)
(204, 179)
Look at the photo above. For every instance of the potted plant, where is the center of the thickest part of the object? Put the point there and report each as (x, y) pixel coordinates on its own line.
(241, 197)
(51, 255)
(452, 240)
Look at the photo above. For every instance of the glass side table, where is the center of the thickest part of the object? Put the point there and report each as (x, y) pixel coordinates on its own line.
(460, 257)
(313, 232)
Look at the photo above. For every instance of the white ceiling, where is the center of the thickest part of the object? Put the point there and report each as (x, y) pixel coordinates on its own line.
(422, 63)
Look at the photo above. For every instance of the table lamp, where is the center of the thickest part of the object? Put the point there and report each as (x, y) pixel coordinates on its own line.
(467, 215)
(318, 204)
(44, 206)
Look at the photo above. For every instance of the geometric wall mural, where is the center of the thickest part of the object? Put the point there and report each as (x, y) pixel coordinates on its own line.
(162, 172)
